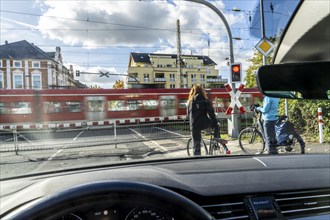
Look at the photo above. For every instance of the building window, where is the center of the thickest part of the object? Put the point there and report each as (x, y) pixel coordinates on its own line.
(172, 77)
(202, 78)
(172, 86)
(193, 78)
(146, 78)
(18, 81)
(2, 86)
(17, 64)
(1, 63)
(35, 64)
(36, 81)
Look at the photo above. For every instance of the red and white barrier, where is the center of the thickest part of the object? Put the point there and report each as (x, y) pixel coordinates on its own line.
(320, 120)
(80, 124)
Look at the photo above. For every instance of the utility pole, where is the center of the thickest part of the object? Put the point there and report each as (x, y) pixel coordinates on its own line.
(179, 54)
(264, 61)
(264, 57)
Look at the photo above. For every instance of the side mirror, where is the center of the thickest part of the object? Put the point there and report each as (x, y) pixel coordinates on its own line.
(304, 80)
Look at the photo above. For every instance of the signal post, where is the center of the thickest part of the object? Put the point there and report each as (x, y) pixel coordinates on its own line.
(234, 124)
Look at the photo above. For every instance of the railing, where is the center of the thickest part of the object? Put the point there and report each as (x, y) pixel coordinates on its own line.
(111, 135)
(217, 80)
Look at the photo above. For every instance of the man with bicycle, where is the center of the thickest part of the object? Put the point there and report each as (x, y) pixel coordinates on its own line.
(269, 114)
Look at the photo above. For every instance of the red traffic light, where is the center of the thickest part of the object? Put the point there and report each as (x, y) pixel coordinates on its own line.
(236, 68)
(235, 72)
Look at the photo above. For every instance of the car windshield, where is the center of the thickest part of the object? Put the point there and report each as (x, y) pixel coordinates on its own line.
(87, 83)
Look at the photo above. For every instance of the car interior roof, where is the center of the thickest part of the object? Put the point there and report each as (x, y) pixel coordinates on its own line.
(304, 39)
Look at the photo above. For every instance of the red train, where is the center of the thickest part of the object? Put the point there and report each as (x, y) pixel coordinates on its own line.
(45, 106)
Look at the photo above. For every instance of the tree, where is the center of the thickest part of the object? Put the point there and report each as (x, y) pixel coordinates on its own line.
(119, 84)
(303, 113)
(256, 62)
(95, 87)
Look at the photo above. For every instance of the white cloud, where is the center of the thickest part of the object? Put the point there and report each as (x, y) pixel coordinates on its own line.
(82, 28)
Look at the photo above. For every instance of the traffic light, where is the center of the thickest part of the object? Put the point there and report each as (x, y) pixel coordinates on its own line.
(236, 72)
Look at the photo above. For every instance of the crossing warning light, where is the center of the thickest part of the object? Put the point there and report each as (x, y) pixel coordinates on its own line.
(236, 72)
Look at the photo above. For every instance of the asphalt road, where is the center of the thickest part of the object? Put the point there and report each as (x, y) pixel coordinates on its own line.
(59, 150)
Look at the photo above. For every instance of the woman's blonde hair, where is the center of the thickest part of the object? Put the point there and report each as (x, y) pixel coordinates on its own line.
(196, 89)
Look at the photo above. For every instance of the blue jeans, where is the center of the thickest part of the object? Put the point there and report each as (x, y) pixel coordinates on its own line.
(270, 137)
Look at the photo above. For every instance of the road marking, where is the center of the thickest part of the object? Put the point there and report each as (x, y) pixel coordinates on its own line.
(54, 155)
(171, 132)
(154, 142)
(80, 134)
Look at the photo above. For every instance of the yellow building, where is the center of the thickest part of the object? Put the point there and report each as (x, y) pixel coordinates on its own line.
(147, 70)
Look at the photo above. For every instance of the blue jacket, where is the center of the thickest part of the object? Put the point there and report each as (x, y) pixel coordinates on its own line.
(270, 109)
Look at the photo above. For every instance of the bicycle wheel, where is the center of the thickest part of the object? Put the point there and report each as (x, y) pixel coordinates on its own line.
(218, 149)
(250, 141)
(297, 146)
(190, 148)
(215, 148)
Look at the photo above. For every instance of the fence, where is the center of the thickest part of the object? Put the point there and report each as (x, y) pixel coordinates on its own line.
(110, 136)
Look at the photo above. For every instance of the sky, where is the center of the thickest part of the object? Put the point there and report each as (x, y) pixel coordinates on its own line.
(99, 35)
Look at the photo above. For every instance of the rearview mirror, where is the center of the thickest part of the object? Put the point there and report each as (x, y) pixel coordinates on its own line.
(304, 80)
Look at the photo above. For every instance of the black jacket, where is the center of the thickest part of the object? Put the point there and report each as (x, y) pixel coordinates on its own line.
(201, 113)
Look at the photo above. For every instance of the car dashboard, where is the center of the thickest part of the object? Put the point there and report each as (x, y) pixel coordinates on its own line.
(242, 187)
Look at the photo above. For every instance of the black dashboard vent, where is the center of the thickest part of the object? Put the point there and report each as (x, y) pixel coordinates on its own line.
(228, 210)
(304, 203)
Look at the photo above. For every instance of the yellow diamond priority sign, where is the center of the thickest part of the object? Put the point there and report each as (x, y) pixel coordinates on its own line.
(265, 46)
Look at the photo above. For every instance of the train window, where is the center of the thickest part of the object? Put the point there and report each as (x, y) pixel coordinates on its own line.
(150, 104)
(134, 104)
(95, 106)
(183, 103)
(73, 106)
(117, 105)
(4, 108)
(222, 102)
(21, 108)
(168, 103)
(52, 107)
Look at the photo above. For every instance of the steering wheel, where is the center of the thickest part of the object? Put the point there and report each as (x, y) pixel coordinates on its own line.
(110, 193)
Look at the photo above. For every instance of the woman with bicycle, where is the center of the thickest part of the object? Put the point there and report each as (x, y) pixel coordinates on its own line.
(269, 114)
(201, 116)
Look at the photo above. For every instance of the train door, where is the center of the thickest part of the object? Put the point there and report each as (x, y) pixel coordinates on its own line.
(95, 108)
(167, 106)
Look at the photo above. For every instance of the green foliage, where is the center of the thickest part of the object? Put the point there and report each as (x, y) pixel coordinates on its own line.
(256, 62)
(303, 113)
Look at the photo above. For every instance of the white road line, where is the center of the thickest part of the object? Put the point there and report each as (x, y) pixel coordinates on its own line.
(54, 155)
(79, 134)
(170, 132)
(154, 142)
(59, 151)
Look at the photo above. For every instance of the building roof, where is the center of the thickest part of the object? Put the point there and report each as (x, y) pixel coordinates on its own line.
(145, 57)
(22, 50)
